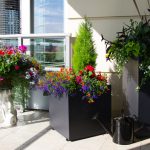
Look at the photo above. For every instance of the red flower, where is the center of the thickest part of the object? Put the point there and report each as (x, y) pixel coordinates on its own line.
(2, 52)
(31, 73)
(78, 79)
(61, 69)
(80, 72)
(17, 67)
(93, 75)
(37, 67)
(10, 52)
(89, 68)
(100, 77)
(70, 69)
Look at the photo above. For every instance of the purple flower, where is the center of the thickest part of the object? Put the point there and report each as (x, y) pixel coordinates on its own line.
(45, 88)
(101, 88)
(108, 59)
(94, 97)
(85, 88)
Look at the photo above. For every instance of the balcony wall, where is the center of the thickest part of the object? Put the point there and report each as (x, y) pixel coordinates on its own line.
(107, 17)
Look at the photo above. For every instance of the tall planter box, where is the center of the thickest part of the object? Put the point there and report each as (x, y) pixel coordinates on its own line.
(75, 119)
(37, 100)
(138, 101)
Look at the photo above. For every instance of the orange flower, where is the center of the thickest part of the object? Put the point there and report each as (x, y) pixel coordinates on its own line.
(68, 77)
(88, 94)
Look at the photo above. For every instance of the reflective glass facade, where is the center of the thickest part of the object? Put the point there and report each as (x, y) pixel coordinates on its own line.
(48, 16)
(9, 17)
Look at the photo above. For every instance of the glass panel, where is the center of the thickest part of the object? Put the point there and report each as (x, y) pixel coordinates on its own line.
(48, 16)
(8, 42)
(48, 51)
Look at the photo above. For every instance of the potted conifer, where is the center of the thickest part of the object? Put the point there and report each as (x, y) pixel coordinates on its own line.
(78, 95)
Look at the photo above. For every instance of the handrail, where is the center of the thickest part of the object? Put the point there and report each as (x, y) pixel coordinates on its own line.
(67, 37)
(45, 35)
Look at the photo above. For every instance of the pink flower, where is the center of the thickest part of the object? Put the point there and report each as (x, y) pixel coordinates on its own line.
(70, 69)
(1, 79)
(23, 48)
(17, 67)
(78, 79)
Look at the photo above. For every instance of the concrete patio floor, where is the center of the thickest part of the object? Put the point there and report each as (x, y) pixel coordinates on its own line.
(33, 132)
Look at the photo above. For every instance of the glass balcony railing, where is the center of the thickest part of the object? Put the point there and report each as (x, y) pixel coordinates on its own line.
(51, 50)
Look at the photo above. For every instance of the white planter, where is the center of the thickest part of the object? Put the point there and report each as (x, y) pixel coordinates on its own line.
(9, 114)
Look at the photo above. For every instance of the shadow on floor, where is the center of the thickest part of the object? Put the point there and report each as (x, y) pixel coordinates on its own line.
(29, 117)
(32, 117)
(33, 139)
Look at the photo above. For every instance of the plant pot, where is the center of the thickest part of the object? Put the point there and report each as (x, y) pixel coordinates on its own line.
(123, 129)
(73, 117)
(137, 101)
(9, 113)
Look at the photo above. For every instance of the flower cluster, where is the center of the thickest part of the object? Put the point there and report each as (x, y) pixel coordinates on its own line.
(58, 83)
(86, 81)
(15, 64)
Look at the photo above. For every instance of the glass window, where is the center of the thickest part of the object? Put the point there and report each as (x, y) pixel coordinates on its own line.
(48, 51)
(48, 16)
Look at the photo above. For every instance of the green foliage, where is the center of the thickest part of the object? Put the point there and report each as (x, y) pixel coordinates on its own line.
(21, 92)
(132, 43)
(17, 71)
(84, 51)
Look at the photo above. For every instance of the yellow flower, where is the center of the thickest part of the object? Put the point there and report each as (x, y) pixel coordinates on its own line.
(107, 55)
(90, 100)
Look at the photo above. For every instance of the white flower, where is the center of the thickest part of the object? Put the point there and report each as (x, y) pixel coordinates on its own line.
(149, 67)
(8, 61)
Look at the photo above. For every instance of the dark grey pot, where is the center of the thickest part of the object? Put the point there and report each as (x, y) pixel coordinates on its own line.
(76, 119)
(137, 101)
(144, 103)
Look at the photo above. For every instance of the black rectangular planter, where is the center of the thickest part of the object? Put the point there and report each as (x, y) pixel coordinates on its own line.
(76, 119)
(144, 103)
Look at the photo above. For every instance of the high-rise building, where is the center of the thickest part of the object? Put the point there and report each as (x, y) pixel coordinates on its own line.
(9, 16)
(42, 16)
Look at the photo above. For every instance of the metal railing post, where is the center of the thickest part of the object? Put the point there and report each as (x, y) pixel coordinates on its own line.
(20, 41)
(68, 52)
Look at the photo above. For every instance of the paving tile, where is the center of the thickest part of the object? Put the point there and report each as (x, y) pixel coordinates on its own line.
(145, 145)
(110, 145)
(86, 144)
(52, 140)
(33, 132)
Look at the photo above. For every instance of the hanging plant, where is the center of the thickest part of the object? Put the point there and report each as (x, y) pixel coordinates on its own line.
(132, 43)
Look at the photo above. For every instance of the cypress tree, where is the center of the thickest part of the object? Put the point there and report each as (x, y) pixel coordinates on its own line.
(83, 49)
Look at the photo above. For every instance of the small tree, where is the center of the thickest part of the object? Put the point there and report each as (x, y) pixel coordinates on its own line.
(84, 51)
